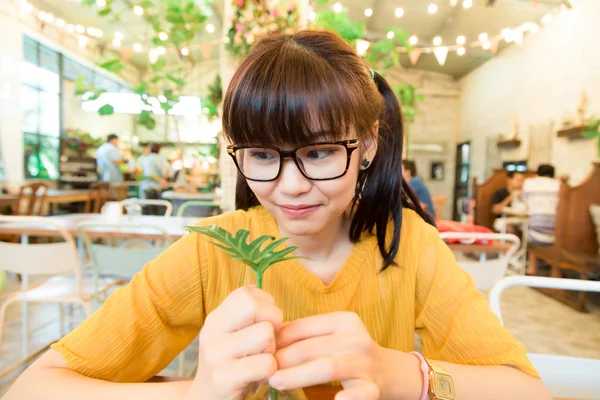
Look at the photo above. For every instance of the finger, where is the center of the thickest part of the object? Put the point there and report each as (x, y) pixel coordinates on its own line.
(236, 375)
(318, 325)
(318, 372)
(255, 339)
(243, 308)
(321, 347)
(361, 389)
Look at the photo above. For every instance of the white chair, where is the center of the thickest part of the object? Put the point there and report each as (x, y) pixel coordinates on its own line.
(134, 206)
(485, 272)
(121, 262)
(569, 377)
(57, 262)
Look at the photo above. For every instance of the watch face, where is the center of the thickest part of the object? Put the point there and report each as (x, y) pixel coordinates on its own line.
(443, 386)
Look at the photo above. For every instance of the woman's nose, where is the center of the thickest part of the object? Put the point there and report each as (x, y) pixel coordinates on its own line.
(291, 181)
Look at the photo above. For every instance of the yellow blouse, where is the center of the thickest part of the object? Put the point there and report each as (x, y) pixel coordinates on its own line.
(145, 325)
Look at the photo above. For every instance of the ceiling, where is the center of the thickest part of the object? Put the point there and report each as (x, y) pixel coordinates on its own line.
(448, 22)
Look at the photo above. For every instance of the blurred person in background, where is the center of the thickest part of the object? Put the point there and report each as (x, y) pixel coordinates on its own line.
(108, 159)
(155, 172)
(409, 173)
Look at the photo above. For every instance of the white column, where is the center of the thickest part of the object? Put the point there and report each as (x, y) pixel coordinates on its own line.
(11, 58)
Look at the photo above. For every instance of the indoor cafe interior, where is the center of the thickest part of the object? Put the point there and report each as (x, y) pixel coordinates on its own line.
(121, 143)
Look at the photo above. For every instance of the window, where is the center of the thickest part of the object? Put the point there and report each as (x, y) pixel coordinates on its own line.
(41, 110)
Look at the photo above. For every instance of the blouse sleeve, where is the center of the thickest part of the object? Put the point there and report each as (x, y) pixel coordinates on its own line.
(453, 318)
(143, 326)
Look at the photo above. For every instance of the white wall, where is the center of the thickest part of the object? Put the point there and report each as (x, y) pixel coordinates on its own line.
(541, 82)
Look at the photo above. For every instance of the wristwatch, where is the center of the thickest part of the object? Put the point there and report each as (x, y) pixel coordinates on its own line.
(441, 385)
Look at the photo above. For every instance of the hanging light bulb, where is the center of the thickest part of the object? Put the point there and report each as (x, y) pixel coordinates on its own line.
(79, 28)
(116, 42)
(210, 28)
(437, 40)
(184, 51)
(138, 10)
(163, 36)
(153, 56)
(362, 46)
(337, 7)
(413, 40)
(467, 4)
(161, 50)
(70, 28)
(507, 34)
(432, 9)
(101, 3)
(368, 12)
(483, 37)
(312, 16)
(60, 23)
(486, 45)
(461, 51)
(137, 47)
(91, 31)
(461, 40)
(119, 35)
(399, 12)
(390, 35)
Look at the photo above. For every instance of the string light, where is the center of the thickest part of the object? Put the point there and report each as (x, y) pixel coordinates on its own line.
(437, 40)
(467, 4)
(70, 28)
(210, 28)
(413, 40)
(163, 36)
(507, 34)
(486, 45)
(185, 51)
(82, 41)
(337, 7)
(483, 37)
(137, 47)
(461, 51)
(432, 9)
(312, 16)
(362, 46)
(119, 35)
(161, 50)
(60, 23)
(79, 28)
(116, 42)
(368, 12)
(137, 10)
(399, 12)
(390, 35)
(101, 3)
(461, 40)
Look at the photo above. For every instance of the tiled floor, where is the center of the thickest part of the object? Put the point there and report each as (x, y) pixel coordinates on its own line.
(539, 322)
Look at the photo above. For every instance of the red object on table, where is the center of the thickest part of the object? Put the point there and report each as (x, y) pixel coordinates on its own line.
(454, 226)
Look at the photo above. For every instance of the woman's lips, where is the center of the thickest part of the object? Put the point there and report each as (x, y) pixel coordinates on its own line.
(298, 210)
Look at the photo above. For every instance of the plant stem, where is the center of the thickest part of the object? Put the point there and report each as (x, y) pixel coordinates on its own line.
(272, 391)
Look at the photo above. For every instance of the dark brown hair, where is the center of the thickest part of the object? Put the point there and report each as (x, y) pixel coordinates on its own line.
(155, 147)
(410, 166)
(312, 86)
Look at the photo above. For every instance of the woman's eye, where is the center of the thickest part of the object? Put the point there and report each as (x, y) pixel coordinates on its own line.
(319, 154)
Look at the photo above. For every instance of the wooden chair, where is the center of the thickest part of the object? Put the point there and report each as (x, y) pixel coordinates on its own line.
(575, 249)
(99, 194)
(32, 199)
(439, 202)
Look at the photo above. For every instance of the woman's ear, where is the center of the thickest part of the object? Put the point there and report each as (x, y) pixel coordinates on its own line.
(369, 147)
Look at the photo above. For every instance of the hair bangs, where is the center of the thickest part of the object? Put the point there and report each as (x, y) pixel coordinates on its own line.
(287, 95)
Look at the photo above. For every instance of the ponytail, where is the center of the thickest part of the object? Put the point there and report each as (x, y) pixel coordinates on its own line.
(381, 192)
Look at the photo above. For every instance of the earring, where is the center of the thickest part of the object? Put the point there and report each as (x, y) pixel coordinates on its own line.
(365, 163)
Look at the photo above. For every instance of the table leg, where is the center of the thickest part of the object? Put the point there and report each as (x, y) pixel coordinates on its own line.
(25, 307)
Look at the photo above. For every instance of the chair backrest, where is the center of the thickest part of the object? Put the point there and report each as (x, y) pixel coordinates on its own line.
(131, 204)
(201, 208)
(99, 194)
(2, 281)
(486, 272)
(39, 259)
(575, 230)
(121, 260)
(32, 198)
(568, 377)
(439, 202)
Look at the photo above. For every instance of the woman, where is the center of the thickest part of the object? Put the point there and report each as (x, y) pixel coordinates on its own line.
(155, 168)
(376, 274)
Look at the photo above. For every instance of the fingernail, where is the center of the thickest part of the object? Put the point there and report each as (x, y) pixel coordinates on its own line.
(276, 382)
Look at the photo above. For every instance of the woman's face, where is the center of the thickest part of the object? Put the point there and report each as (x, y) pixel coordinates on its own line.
(303, 207)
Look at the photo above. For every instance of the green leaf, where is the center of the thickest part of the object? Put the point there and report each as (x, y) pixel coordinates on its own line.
(106, 109)
(159, 65)
(178, 81)
(104, 11)
(141, 88)
(383, 46)
(97, 94)
(590, 134)
(147, 120)
(420, 97)
(340, 23)
(166, 106)
(114, 66)
(80, 87)
(157, 41)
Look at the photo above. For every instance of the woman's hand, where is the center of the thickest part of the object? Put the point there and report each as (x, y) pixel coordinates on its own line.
(329, 347)
(237, 345)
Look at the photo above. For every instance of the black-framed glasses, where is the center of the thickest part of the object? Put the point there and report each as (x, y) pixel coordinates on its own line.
(318, 162)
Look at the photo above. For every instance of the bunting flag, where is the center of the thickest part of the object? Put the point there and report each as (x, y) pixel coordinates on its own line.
(206, 49)
(441, 53)
(494, 46)
(126, 54)
(415, 55)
